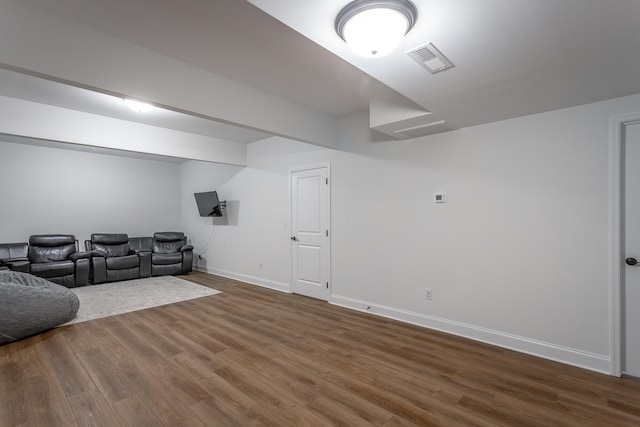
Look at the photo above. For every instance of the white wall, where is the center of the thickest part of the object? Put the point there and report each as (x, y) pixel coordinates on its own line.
(517, 257)
(51, 190)
(255, 228)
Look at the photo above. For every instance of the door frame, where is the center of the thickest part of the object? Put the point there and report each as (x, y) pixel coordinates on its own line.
(291, 172)
(616, 134)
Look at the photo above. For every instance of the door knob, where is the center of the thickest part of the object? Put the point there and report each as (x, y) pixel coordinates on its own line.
(631, 261)
(294, 238)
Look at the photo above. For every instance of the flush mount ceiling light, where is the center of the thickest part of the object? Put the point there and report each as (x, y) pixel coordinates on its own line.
(137, 106)
(374, 28)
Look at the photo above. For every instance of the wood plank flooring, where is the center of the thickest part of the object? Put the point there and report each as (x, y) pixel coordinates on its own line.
(255, 357)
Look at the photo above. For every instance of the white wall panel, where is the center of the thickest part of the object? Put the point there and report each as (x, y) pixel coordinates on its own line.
(50, 190)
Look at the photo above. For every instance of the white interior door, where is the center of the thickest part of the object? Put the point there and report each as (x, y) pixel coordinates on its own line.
(631, 272)
(310, 232)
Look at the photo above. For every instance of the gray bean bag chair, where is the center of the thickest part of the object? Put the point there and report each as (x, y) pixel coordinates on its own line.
(30, 304)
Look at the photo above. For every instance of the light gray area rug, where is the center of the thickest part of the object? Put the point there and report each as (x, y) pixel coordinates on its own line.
(109, 299)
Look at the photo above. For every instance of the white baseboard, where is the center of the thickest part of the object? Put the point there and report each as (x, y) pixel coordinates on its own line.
(569, 356)
(265, 283)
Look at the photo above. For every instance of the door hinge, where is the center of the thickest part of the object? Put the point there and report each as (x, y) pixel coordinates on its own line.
(326, 181)
(327, 285)
(327, 233)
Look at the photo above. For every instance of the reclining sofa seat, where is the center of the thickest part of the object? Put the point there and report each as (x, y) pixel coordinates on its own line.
(168, 252)
(112, 259)
(171, 254)
(55, 257)
(14, 256)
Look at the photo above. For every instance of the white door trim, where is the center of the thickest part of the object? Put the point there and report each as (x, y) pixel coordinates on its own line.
(305, 168)
(616, 127)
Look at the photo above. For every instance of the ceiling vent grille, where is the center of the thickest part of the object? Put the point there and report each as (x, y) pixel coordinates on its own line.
(430, 58)
(424, 130)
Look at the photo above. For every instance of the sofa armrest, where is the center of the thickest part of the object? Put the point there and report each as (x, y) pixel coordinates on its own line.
(187, 262)
(186, 248)
(80, 255)
(83, 268)
(145, 262)
(98, 254)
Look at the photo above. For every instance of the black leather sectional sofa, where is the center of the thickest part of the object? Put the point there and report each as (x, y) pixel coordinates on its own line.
(120, 257)
(108, 257)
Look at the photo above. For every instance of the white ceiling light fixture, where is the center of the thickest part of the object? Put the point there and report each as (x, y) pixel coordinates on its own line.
(137, 106)
(374, 28)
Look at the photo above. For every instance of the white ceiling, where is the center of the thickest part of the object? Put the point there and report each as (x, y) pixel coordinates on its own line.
(512, 57)
(231, 38)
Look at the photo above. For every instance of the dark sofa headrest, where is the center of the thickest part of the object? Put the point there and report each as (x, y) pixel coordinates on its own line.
(51, 240)
(110, 238)
(14, 250)
(168, 236)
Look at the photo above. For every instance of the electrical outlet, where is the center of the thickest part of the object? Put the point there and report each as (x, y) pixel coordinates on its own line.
(440, 197)
(428, 294)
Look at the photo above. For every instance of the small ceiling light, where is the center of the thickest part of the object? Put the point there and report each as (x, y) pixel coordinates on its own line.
(137, 106)
(374, 28)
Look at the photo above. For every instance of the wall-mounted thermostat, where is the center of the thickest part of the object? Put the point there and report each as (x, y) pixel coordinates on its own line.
(440, 197)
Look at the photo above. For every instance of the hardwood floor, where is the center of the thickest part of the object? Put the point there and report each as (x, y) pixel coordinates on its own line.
(252, 357)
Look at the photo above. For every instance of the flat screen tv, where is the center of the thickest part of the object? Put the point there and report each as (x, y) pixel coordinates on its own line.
(208, 203)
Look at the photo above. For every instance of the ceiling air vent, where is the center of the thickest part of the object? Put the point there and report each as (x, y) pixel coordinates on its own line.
(430, 58)
(424, 130)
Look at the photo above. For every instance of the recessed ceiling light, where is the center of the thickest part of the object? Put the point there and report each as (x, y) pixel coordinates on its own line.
(137, 106)
(374, 28)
